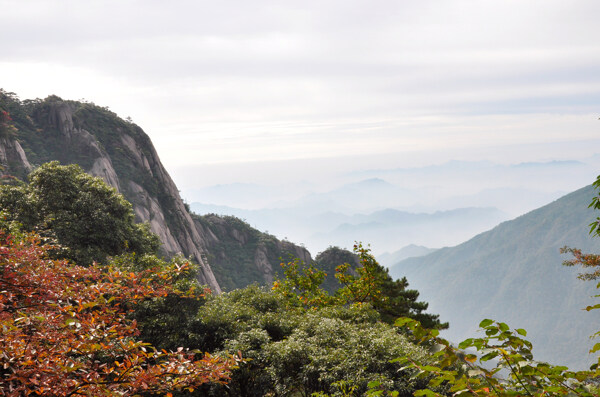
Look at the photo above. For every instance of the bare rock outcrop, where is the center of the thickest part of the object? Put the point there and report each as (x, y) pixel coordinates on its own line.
(82, 142)
(12, 156)
(180, 235)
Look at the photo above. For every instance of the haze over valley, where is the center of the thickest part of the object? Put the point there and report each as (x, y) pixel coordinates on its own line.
(434, 206)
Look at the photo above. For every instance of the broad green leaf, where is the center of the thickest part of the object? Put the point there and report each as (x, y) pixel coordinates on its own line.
(475, 372)
(489, 356)
(595, 348)
(521, 331)
(425, 392)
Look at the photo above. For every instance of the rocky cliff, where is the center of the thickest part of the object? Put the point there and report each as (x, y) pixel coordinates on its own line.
(242, 255)
(122, 154)
(12, 156)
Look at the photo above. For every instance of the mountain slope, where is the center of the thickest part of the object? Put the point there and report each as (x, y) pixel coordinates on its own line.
(122, 154)
(513, 273)
(241, 255)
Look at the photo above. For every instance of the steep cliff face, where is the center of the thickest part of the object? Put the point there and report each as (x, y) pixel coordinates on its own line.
(122, 154)
(58, 116)
(12, 156)
(118, 152)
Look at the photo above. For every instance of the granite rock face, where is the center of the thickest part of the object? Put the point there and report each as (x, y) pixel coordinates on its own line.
(96, 139)
(122, 154)
(13, 157)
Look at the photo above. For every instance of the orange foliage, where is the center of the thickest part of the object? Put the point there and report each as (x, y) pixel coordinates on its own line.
(65, 331)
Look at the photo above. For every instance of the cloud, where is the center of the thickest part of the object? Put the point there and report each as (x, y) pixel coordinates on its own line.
(311, 76)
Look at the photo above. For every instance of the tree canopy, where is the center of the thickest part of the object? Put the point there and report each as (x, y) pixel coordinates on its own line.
(66, 330)
(360, 280)
(88, 218)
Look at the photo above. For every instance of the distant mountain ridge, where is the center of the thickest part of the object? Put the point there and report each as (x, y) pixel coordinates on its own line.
(313, 213)
(386, 229)
(393, 228)
(513, 273)
(389, 259)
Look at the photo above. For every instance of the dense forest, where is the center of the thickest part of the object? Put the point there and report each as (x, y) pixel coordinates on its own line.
(91, 305)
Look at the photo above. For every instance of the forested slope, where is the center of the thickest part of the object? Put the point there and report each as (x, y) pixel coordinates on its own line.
(513, 273)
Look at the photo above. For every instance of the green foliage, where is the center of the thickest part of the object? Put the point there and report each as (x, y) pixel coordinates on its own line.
(595, 204)
(322, 352)
(329, 260)
(366, 286)
(295, 352)
(89, 219)
(166, 322)
(367, 283)
(301, 286)
(506, 351)
(390, 298)
(399, 301)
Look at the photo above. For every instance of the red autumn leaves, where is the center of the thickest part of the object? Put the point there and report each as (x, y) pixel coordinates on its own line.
(65, 330)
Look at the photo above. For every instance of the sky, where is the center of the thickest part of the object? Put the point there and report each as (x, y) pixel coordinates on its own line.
(236, 87)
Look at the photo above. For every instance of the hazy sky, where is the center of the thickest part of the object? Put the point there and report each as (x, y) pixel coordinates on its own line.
(236, 81)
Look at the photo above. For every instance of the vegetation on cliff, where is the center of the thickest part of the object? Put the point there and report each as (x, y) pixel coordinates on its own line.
(241, 255)
(86, 217)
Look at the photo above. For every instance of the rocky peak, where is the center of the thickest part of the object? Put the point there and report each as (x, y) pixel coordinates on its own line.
(122, 154)
(118, 152)
(60, 116)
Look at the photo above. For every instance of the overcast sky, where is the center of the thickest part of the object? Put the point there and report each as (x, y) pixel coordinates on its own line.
(235, 81)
